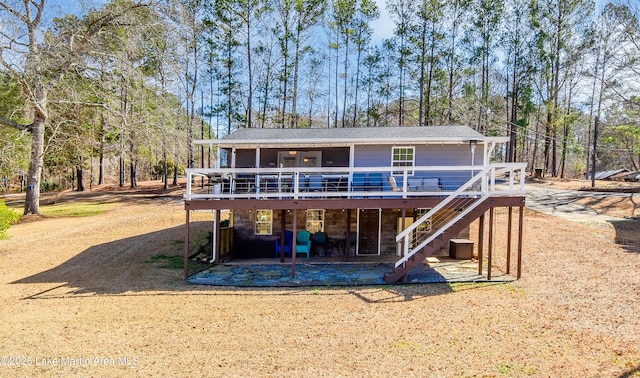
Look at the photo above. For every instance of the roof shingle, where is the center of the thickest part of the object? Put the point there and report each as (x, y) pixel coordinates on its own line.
(363, 134)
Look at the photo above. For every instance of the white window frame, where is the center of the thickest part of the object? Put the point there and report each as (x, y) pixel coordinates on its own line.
(423, 228)
(263, 218)
(403, 162)
(312, 223)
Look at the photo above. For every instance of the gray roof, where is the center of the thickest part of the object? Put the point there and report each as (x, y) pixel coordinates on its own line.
(355, 135)
(608, 174)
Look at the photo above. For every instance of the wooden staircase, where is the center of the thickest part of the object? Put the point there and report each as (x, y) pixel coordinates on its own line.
(444, 235)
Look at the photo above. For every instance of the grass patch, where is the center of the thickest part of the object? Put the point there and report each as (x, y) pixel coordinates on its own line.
(462, 286)
(177, 262)
(75, 209)
(168, 262)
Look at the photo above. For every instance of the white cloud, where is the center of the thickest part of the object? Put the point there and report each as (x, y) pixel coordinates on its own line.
(383, 26)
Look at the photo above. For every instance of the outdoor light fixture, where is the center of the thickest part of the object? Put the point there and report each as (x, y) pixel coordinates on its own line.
(293, 152)
(472, 145)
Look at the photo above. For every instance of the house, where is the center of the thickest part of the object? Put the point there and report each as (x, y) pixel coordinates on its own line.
(386, 191)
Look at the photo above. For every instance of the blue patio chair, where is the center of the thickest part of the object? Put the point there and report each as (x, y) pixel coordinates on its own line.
(374, 182)
(358, 183)
(315, 183)
(288, 243)
(303, 242)
(303, 183)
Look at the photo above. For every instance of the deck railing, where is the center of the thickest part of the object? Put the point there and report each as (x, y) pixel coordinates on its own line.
(356, 182)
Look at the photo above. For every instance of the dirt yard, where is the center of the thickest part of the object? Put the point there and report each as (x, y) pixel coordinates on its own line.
(80, 297)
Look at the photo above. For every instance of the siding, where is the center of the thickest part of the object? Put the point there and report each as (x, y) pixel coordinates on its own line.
(431, 154)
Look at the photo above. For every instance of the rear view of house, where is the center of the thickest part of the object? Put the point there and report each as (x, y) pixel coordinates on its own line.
(387, 191)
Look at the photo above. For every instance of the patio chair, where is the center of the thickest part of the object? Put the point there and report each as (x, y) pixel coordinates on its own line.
(288, 242)
(393, 184)
(303, 183)
(303, 243)
(315, 183)
(358, 183)
(374, 182)
(320, 240)
(414, 184)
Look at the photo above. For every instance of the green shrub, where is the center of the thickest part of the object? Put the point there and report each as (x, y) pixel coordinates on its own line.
(7, 218)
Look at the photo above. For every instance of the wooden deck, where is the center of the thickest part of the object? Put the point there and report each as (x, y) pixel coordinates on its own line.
(448, 207)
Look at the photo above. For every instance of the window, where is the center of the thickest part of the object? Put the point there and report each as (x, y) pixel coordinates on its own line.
(315, 220)
(426, 226)
(403, 157)
(264, 220)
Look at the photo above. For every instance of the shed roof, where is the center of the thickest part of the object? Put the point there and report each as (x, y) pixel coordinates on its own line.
(360, 135)
(609, 174)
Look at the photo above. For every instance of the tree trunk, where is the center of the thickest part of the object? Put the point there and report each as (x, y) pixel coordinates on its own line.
(132, 169)
(79, 178)
(165, 166)
(101, 166)
(594, 152)
(101, 160)
(121, 171)
(421, 80)
(34, 175)
(346, 75)
(133, 162)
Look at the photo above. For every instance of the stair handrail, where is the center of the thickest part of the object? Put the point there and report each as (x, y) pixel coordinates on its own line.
(486, 189)
(441, 230)
(443, 203)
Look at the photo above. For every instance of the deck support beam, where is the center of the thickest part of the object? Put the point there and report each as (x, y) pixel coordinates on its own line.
(490, 250)
(294, 243)
(509, 231)
(347, 242)
(520, 230)
(217, 238)
(283, 226)
(186, 246)
(480, 243)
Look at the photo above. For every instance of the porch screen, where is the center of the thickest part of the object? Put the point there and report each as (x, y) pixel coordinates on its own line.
(263, 222)
(403, 157)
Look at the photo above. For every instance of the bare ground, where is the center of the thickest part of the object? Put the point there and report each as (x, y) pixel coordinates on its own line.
(83, 290)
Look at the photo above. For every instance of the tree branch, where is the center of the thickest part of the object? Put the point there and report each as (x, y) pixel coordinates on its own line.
(14, 12)
(15, 125)
(89, 104)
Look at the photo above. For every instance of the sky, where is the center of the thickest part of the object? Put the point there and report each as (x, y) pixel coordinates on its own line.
(383, 26)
